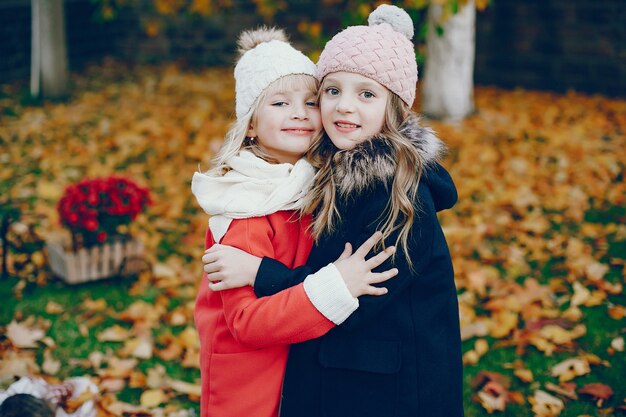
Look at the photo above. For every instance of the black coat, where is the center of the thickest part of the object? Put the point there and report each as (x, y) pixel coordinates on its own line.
(399, 354)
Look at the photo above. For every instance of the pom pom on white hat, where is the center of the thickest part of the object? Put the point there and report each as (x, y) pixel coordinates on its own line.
(263, 64)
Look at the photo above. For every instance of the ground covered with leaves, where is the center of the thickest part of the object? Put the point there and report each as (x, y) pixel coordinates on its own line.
(537, 239)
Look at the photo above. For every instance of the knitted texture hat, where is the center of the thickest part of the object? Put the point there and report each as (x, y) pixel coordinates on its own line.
(382, 51)
(267, 57)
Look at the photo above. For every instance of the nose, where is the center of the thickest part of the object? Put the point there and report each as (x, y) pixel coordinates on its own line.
(299, 112)
(345, 104)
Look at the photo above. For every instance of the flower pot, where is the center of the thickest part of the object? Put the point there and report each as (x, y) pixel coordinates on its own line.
(97, 262)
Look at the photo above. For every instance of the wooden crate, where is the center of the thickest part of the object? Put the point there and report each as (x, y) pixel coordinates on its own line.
(97, 262)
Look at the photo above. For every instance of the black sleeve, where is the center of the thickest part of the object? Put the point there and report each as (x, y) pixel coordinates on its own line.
(273, 276)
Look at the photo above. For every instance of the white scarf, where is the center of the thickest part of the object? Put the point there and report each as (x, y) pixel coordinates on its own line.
(252, 188)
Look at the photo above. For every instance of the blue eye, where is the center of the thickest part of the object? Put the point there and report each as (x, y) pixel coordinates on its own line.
(332, 91)
(279, 103)
(368, 94)
(311, 103)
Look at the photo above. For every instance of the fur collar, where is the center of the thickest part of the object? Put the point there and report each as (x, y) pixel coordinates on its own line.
(373, 161)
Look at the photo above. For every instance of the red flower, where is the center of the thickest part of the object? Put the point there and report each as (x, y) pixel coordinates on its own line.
(91, 224)
(101, 237)
(96, 208)
(93, 198)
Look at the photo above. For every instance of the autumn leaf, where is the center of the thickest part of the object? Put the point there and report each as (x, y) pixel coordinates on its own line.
(17, 364)
(493, 397)
(140, 347)
(597, 391)
(525, 375)
(114, 333)
(193, 390)
(152, 398)
(566, 389)
(546, 405)
(54, 308)
(570, 369)
(617, 344)
(118, 368)
(50, 365)
(24, 336)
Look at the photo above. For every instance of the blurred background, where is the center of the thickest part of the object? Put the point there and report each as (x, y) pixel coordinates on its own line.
(528, 95)
(555, 45)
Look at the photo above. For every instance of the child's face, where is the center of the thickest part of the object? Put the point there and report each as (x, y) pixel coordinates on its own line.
(286, 122)
(353, 108)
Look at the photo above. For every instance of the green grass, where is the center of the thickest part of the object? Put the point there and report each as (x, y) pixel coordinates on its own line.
(64, 327)
(601, 329)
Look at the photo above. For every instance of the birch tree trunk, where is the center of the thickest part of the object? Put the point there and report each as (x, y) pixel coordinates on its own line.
(48, 76)
(448, 86)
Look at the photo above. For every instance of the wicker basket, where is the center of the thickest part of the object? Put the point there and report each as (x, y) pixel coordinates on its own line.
(98, 262)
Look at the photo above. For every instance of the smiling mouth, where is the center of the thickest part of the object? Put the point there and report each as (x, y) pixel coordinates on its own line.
(346, 125)
(298, 132)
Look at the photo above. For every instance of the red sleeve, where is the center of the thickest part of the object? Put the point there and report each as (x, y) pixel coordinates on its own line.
(284, 318)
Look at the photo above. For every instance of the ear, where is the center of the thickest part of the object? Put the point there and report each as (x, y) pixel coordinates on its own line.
(251, 132)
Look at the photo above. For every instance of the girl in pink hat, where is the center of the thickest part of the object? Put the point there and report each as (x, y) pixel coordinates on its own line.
(397, 355)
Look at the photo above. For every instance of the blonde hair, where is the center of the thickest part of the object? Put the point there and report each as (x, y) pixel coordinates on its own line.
(400, 211)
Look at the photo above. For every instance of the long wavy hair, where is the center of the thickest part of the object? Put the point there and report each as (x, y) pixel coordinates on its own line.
(400, 211)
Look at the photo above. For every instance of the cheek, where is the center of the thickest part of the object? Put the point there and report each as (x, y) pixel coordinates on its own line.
(326, 106)
(329, 128)
(325, 114)
(377, 118)
(316, 119)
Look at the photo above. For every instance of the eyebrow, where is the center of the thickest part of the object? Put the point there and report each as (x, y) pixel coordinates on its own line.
(363, 84)
(280, 94)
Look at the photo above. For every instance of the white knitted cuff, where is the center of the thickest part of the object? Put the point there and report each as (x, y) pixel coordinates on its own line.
(329, 294)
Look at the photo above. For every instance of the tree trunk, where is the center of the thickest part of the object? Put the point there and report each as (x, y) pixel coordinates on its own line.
(49, 55)
(448, 87)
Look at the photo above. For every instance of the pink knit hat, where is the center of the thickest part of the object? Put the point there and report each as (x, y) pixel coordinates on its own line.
(382, 51)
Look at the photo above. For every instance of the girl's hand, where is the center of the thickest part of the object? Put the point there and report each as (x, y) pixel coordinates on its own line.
(357, 272)
(227, 267)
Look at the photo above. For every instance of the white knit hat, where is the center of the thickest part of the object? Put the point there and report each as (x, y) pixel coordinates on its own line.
(263, 64)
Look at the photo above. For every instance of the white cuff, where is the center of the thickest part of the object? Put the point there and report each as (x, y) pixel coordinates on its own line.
(329, 294)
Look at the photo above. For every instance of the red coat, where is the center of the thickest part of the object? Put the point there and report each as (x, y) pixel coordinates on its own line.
(244, 340)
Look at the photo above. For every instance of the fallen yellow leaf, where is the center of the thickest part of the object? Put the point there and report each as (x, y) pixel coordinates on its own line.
(546, 405)
(570, 369)
(152, 398)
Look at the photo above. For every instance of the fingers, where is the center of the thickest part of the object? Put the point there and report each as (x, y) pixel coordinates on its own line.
(208, 258)
(367, 246)
(370, 290)
(347, 251)
(379, 258)
(212, 267)
(378, 277)
(214, 276)
(218, 286)
(215, 248)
